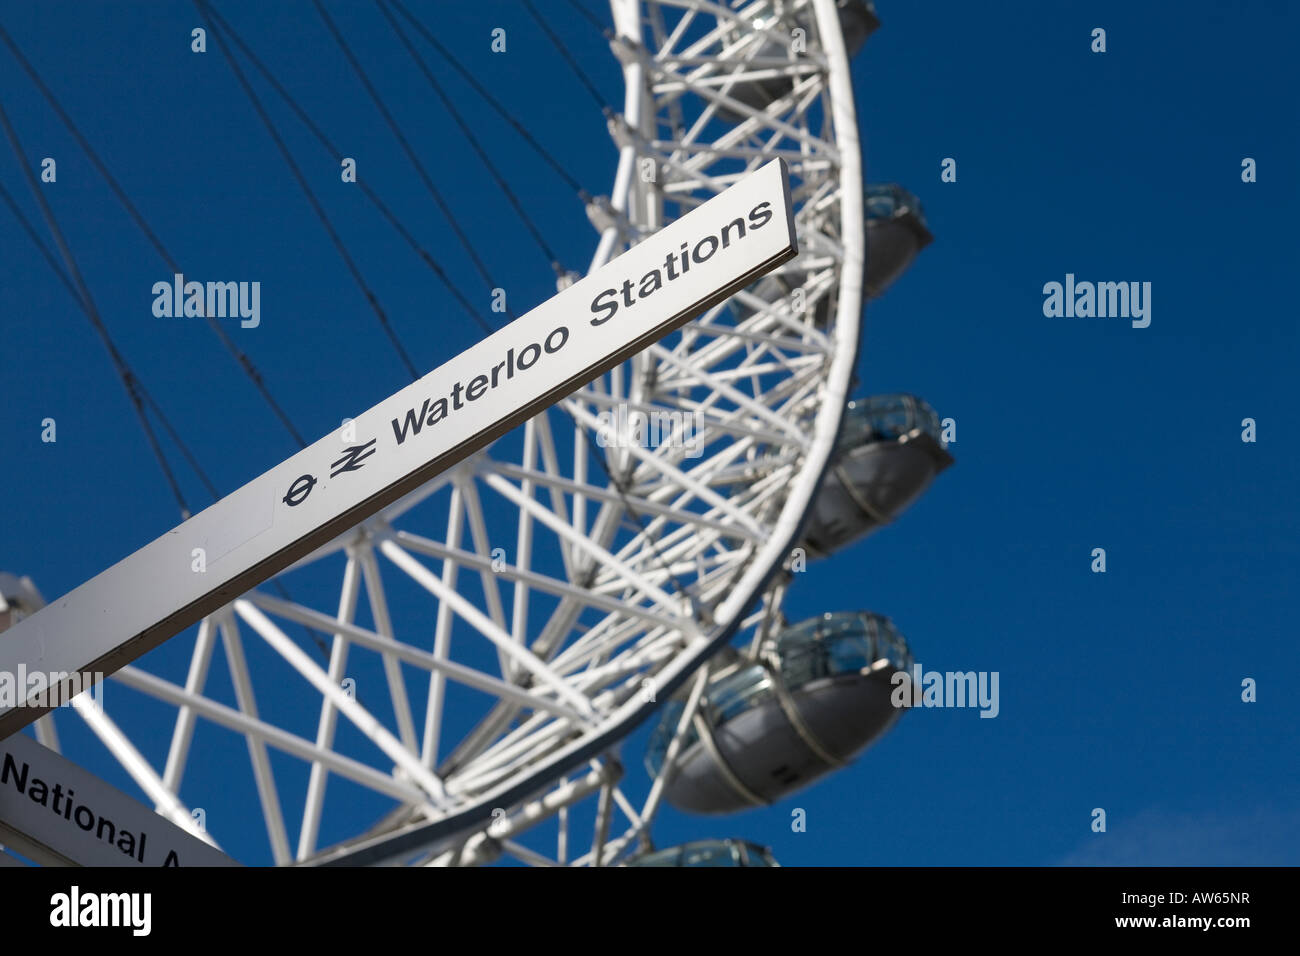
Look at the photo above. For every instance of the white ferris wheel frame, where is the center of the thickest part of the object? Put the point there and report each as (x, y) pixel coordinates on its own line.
(592, 693)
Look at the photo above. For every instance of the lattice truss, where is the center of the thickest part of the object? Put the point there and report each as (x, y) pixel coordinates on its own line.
(477, 650)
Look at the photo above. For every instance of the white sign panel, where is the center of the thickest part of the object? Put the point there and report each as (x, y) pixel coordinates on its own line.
(53, 812)
(428, 426)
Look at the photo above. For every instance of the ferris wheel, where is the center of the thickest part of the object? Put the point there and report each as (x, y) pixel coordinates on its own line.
(525, 611)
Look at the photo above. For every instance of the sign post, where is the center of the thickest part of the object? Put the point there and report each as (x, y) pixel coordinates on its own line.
(55, 813)
(566, 342)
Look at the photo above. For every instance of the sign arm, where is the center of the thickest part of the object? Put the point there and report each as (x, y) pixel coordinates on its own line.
(425, 428)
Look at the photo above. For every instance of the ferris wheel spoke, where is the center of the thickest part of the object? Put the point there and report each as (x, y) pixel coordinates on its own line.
(525, 855)
(710, 151)
(713, 354)
(665, 601)
(524, 541)
(687, 560)
(442, 631)
(554, 803)
(718, 424)
(713, 342)
(657, 488)
(134, 763)
(384, 627)
(669, 470)
(751, 368)
(183, 731)
(532, 579)
(418, 657)
(318, 776)
(484, 625)
(775, 314)
(535, 736)
(612, 631)
(232, 719)
(767, 121)
(771, 396)
(692, 705)
(482, 550)
(635, 501)
(362, 718)
(758, 332)
(653, 546)
(610, 675)
(702, 377)
(400, 507)
(729, 40)
(783, 396)
(761, 68)
(247, 702)
(551, 467)
(759, 123)
(476, 754)
(655, 556)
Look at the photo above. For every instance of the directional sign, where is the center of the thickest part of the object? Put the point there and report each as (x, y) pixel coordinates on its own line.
(458, 408)
(53, 812)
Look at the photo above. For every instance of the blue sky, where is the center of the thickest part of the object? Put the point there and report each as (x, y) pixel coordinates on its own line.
(1118, 690)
